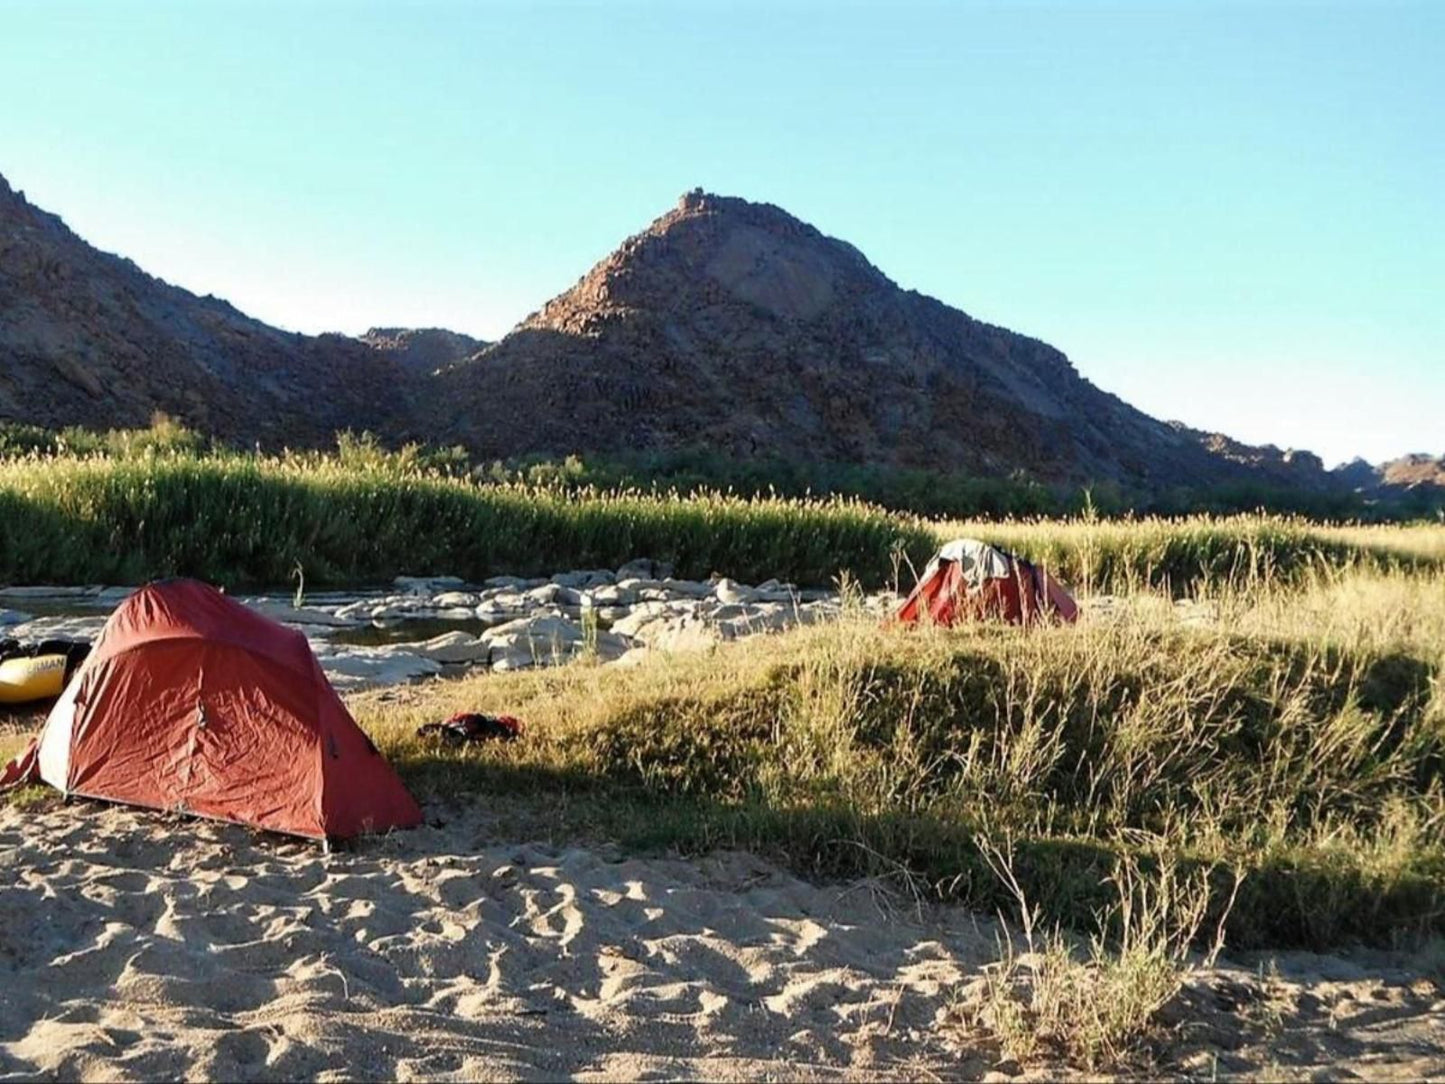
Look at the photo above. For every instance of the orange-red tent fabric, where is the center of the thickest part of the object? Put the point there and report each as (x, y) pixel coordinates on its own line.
(971, 580)
(190, 701)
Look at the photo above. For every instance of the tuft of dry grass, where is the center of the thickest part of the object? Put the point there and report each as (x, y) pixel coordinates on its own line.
(1098, 1003)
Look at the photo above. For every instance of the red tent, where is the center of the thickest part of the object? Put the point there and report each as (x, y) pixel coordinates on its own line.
(971, 580)
(192, 702)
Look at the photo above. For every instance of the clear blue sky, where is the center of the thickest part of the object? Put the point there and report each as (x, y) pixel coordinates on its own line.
(1231, 214)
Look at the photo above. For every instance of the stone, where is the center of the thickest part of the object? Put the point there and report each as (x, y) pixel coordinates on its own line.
(688, 588)
(67, 594)
(643, 568)
(545, 629)
(85, 628)
(688, 633)
(453, 647)
(510, 582)
(641, 615)
(455, 600)
(512, 657)
(288, 614)
(456, 613)
(13, 617)
(427, 585)
(773, 591)
(731, 592)
(350, 667)
(541, 596)
(596, 577)
(613, 595)
(639, 584)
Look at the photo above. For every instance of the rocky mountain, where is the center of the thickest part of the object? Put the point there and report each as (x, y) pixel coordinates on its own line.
(736, 326)
(87, 338)
(1413, 471)
(423, 349)
(725, 324)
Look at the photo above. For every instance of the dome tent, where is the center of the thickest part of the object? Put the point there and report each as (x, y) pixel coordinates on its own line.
(969, 579)
(192, 702)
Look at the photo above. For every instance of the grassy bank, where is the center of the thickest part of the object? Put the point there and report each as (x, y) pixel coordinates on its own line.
(253, 520)
(1297, 738)
(1306, 757)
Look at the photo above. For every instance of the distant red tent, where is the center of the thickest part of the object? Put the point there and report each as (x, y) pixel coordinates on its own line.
(971, 580)
(192, 702)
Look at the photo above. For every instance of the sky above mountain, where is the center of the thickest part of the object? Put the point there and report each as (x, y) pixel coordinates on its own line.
(1231, 214)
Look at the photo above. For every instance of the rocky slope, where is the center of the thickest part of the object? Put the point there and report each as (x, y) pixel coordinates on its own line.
(725, 324)
(1414, 471)
(734, 325)
(423, 349)
(87, 338)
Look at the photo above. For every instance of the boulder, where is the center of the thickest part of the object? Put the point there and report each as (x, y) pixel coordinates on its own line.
(455, 600)
(58, 628)
(508, 582)
(427, 585)
(288, 614)
(641, 614)
(644, 568)
(731, 592)
(596, 577)
(613, 595)
(687, 588)
(350, 667)
(81, 595)
(543, 629)
(453, 647)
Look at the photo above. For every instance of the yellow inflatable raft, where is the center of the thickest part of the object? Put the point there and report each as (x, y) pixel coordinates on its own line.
(25, 679)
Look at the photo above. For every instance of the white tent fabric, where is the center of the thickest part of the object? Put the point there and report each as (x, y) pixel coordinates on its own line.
(978, 560)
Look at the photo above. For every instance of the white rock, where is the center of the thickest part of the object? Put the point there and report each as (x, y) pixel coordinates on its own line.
(287, 614)
(682, 634)
(427, 585)
(59, 628)
(688, 588)
(453, 647)
(455, 600)
(508, 582)
(596, 577)
(69, 594)
(643, 568)
(732, 592)
(351, 667)
(641, 614)
(455, 613)
(541, 596)
(637, 584)
(542, 629)
(613, 595)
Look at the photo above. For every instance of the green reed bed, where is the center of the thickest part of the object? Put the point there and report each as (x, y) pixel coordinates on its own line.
(253, 520)
(1188, 554)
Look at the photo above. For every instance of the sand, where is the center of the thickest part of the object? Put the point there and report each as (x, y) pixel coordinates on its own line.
(138, 946)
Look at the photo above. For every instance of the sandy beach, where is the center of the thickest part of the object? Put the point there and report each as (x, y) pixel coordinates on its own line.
(138, 946)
